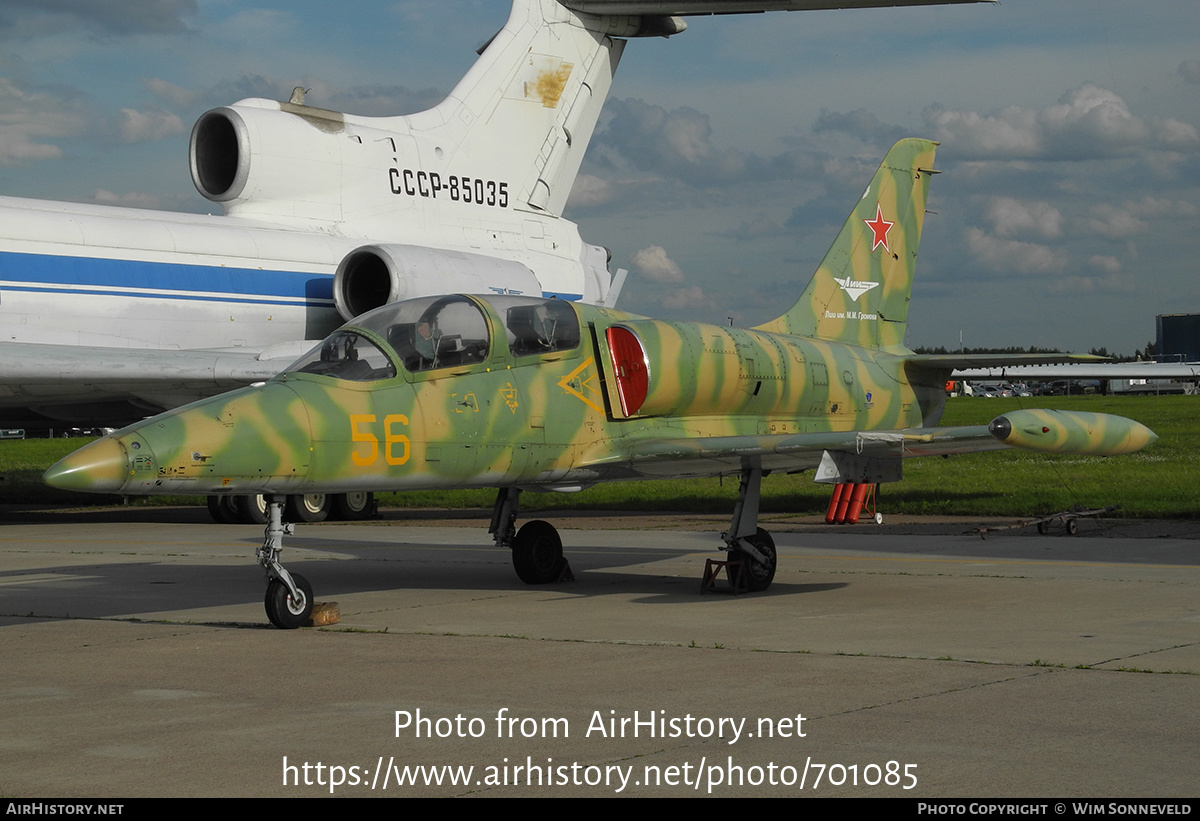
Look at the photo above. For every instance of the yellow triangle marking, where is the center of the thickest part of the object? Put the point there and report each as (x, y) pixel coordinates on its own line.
(587, 382)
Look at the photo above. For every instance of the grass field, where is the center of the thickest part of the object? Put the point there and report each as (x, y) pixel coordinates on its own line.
(1163, 481)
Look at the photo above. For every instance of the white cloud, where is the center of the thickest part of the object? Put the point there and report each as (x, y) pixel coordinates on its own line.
(1011, 132)
(689, 298)
(1087, 122)
(26, 119)
(1012, 218)
(1013, 256)
(113, 17)
(173, 94)
(1109, 283)
(1153, 207)
(654, 264)
(1114, 222)
(675, 142)
(1132, 217)
(137, 127)
(1093, 113)
(17, 145)
(1105, 264)
(1174, 134)
(590, 190)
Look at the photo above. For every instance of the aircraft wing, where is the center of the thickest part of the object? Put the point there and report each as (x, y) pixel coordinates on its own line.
(44, 377)
(878, 453)
(664, 458)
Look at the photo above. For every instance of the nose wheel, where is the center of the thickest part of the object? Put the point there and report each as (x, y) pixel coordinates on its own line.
(288, 610)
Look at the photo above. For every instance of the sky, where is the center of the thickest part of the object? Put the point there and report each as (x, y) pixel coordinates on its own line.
(1067, 215)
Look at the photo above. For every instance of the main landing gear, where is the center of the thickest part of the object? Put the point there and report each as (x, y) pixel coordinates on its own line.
(751, 549)
(536, 548)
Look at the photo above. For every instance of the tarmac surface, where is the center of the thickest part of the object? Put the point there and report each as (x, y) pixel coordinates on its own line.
(137, 661)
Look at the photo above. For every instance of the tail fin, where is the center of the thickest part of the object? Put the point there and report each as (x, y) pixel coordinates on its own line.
(525, 111)
(859, 294)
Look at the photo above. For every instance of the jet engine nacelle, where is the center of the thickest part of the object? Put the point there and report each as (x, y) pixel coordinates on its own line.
(375, 275)
(287, 159)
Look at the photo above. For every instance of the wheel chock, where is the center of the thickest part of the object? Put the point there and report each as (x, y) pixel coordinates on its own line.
(325, 613)
(732, 568)
(565, 575)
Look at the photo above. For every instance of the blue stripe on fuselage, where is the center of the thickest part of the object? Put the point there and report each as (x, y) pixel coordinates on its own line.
(47, 273)
(157, 280)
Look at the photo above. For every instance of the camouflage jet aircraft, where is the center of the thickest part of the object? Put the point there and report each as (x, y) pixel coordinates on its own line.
(528, 393)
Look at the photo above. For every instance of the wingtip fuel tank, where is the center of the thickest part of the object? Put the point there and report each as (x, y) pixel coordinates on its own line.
(1059, 431)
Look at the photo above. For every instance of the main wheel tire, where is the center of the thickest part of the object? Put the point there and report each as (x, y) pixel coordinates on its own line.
(756, 575)
(537, 553)
(1072, 526)
(219, 509)
(308, 507)
(353, 507)
(283, 610)
(251, 510)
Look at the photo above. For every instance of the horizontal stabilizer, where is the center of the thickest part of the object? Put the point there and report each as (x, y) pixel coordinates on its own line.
(954, 361)
(1090, 369)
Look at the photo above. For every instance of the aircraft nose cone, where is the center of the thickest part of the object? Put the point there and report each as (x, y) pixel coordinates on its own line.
(101, 467)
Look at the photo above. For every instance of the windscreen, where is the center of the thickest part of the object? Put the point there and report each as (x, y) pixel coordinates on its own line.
(346, 355)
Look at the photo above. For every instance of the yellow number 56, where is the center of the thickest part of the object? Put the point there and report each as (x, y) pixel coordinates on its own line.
(391, 439)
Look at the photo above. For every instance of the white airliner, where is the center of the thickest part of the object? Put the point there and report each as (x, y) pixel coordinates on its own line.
(109, 314)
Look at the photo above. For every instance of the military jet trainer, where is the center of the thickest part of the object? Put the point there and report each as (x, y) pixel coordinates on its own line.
(533, 393)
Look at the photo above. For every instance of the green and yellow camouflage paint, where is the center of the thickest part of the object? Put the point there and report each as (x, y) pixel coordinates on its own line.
(860, 292)
(1056, 431)
(519, 392)
(523, 392)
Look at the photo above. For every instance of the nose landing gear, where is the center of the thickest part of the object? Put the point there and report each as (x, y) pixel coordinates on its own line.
(289, 598)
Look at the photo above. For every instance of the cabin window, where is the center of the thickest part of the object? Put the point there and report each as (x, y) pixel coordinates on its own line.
(541, 327)
(444, 333)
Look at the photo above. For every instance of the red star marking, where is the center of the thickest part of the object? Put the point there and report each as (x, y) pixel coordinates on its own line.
(879, 227)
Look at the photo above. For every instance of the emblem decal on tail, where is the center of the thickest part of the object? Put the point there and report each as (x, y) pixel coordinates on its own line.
(855, 287)
(879, 227)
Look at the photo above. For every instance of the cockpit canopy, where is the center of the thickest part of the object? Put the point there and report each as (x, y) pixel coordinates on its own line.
(441, 332)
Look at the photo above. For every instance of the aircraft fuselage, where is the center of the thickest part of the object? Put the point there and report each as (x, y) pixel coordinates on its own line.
(513, 398)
